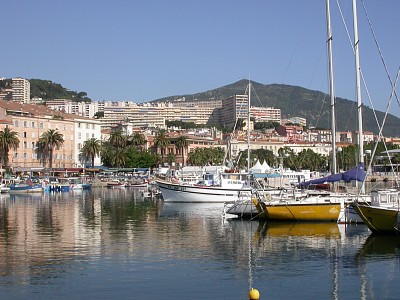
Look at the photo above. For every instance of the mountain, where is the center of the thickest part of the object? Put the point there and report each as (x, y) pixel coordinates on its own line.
(300, 102)
(48, 90)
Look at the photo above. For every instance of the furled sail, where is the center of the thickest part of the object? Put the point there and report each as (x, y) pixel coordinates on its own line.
(357, 173)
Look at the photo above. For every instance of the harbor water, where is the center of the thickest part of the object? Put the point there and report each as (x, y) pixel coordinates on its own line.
(115, 244)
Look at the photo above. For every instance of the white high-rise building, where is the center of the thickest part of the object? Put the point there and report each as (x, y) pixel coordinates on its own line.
(21, 90)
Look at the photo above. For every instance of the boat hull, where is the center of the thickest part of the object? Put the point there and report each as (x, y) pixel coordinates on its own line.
(15, 189)
(320, 212)
(296, 211)
(199, 194)
(379, 219)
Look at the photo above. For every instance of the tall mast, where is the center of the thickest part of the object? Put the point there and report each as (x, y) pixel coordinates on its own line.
(248, 129)
(331, 86)
(359, 100)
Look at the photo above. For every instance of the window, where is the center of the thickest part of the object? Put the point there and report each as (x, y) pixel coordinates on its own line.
(64, 128)
(33, 124)
(25, 124)
(41, 125)
(87, 126)
(33, 134)
(24, 134)
(16, 123)
(25, 156)
(79, 135)
(79, 125)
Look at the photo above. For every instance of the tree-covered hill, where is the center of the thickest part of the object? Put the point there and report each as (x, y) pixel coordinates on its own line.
(301, 102)
(48, 90)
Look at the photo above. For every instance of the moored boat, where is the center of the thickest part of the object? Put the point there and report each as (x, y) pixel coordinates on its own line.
(25, 188)
(230, 187)
(382, 215)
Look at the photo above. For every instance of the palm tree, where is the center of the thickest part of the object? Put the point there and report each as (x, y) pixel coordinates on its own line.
(182, 143)
(91, 148)
(138, 139)
(162, 141)
(50, 140)
(118, 139)
(8, 141)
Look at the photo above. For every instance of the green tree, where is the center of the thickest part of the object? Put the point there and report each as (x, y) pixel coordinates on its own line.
(138, 140)
(162, 142)
(91, 148)
(8, 141)
(118, 139)
(182, 143)
(49, 140)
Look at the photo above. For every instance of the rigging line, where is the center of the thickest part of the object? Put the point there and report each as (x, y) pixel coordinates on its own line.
(361, 73)
(233, 131)
(379, 50)
(352, 47)
(383, 122)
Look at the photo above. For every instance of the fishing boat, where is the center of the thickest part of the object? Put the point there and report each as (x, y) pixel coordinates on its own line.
(116, 183)
(382, 214)
(26, 187)
(222, 186)
(4, 188)
(76, 183)
(228, 188)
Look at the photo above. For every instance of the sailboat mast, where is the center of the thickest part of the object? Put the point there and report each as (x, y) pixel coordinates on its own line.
(358, 85)
(331, 86)
(248, 129)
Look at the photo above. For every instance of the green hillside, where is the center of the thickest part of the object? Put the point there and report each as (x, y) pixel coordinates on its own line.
(48, 90)
(301, 102)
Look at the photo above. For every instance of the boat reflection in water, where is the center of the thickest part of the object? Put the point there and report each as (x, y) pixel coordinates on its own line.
(380, 246)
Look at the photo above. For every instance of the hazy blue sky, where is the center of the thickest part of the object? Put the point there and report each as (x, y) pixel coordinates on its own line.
(148, 49)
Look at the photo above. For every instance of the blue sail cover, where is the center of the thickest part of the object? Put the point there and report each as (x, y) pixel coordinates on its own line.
(357, 173)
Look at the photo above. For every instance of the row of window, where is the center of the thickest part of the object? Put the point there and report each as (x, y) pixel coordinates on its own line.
(35, 156)
(33, 124)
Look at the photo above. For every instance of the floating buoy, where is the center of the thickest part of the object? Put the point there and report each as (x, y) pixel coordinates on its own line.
(254, 294)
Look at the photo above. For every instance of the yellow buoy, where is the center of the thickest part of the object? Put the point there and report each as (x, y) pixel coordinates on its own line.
(254, 294)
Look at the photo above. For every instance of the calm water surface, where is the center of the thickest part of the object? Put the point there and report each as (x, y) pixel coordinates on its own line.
(112, 244)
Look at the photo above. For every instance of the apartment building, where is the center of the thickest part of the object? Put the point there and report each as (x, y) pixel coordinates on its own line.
(30, 121)
(265, 114)
(234, 108)
(21, 90)
(84, 109)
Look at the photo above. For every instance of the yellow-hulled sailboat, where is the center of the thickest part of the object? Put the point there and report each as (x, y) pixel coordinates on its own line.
(382, 215)
(317, 210)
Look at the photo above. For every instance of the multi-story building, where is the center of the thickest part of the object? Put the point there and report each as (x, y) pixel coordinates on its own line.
(30, 121)
(21, 90)
(234, 108)
(266, 114)
(84, 109)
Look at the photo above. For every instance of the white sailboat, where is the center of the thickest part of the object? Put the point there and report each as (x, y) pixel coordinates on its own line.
(316, 205)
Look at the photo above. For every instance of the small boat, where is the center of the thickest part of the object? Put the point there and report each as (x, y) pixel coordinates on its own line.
(311, 209)
(4, 188)
(382, 215)
(76, 183)
(25, 188)
(116, 183)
